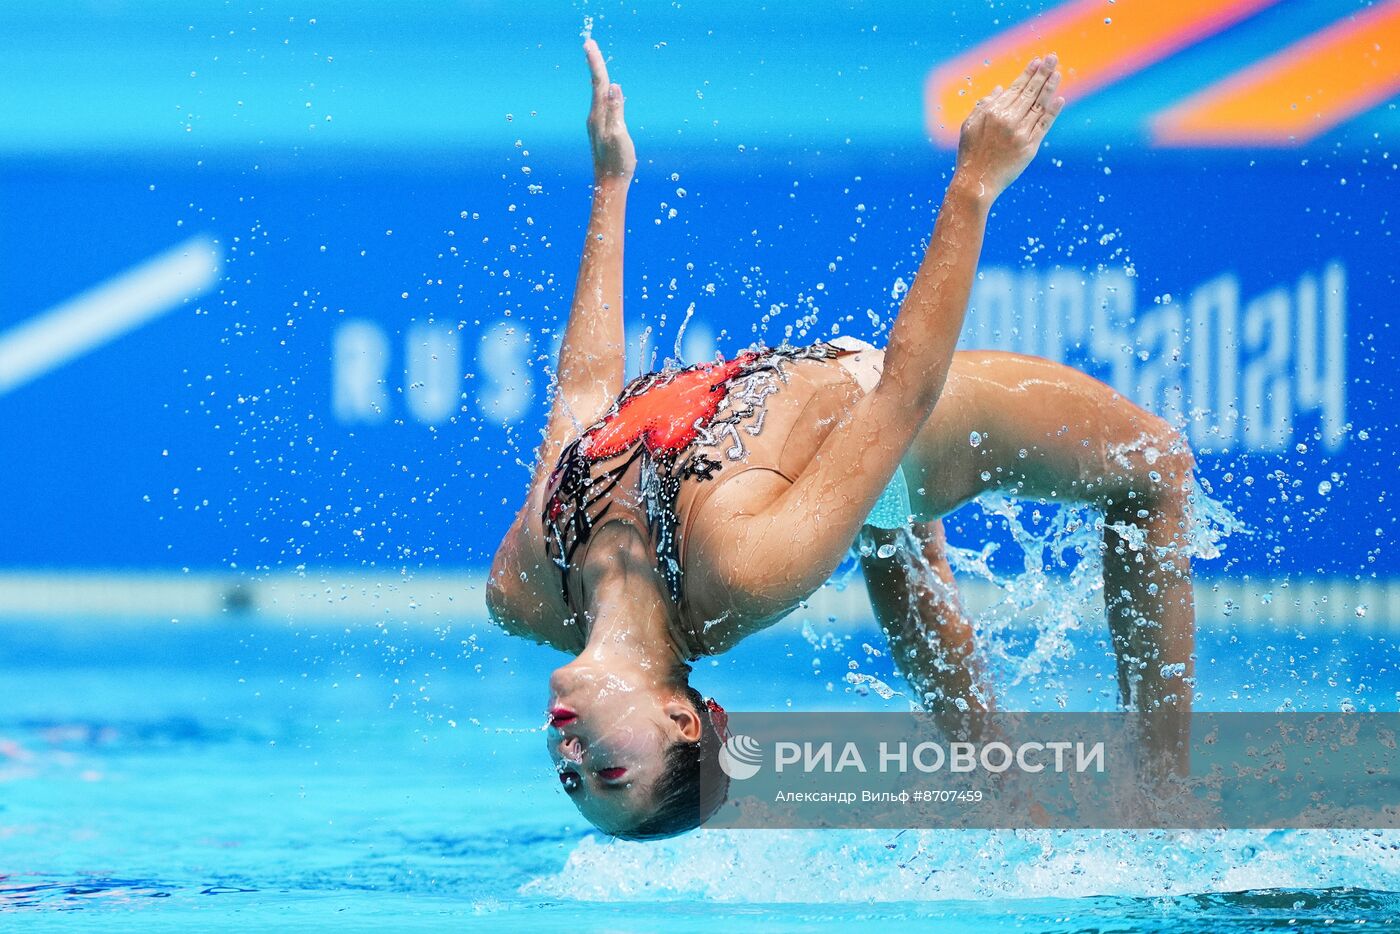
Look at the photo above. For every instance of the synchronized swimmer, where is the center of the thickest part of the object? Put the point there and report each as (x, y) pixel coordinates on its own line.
(703, 504)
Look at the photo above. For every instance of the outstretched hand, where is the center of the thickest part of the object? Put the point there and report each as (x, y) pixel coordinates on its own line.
(1004, 131)
(614, 156)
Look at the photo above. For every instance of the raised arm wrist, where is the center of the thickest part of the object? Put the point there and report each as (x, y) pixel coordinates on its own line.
(612, 184)
(969, 194)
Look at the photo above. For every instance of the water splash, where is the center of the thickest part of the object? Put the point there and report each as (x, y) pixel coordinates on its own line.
(872, 683)
(679, 358)
(1057, 588)
(828, 866)
(1035, 596)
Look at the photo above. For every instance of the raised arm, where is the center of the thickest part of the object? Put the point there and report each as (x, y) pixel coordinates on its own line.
(523, 590)
(999, 139)
(786, 552)
(593, 353)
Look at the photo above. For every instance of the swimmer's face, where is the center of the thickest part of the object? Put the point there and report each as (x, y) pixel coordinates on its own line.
(608, 738)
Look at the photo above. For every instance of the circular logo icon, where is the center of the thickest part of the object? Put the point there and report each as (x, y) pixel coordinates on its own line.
(741, 757)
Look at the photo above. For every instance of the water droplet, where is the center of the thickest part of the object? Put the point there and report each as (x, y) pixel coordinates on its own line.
(975, 439)
(885, 551)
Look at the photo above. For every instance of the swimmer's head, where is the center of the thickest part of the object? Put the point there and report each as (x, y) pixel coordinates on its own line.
(638, 756)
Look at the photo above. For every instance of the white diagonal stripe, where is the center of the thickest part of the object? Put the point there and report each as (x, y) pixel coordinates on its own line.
(107, 311)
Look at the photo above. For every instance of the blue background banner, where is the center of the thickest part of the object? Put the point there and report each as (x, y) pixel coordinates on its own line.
(358, 383)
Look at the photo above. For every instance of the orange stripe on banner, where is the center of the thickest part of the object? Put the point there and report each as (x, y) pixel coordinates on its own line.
(1298, 93)
(1098, 42)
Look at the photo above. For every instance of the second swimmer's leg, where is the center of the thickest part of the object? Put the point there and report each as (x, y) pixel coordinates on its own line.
(916, 604)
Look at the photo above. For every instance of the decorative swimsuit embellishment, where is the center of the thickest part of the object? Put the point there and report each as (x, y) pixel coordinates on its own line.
(666, 425)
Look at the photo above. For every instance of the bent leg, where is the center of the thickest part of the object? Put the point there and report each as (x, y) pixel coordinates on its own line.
(916, 604)
(1041, 430)
(1152, 612)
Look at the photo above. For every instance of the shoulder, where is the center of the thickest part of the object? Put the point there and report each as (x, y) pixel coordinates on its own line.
(524, 593)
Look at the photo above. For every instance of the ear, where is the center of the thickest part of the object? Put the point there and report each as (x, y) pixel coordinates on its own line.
(684, 717)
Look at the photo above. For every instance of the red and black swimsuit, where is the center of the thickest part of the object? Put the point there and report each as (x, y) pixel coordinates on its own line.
(666, 429)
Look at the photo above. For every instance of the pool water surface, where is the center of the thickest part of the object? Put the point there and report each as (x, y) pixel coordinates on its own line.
(234, 774)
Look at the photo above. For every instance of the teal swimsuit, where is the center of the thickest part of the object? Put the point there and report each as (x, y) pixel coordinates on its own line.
(892, 508)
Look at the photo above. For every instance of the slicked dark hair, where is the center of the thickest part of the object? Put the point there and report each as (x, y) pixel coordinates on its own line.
(692, 786)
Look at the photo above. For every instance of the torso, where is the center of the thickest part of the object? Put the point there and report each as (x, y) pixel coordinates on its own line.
(1022, 402)
(680, 454)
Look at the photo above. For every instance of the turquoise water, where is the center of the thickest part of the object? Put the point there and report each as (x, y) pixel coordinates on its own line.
(235, 774)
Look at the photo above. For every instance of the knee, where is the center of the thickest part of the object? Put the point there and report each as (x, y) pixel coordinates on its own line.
(1160, 471)
(1171, 466)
